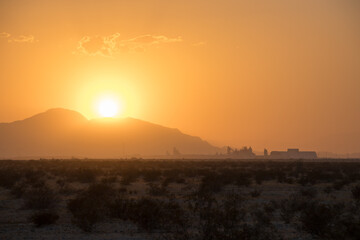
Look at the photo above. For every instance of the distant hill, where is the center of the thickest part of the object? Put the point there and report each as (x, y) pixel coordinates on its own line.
(65, 133)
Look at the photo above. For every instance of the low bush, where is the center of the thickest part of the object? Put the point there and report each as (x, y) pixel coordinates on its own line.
(308, 192)
(41, 197)
(255, 193)
(44, 218)
(84, 175)
(129, 177)
(8, 177)
(91, 206)
(355, 191)
(212, 182)
(290, 206)
(339, 184)
(151, 175)
(19, 189)
(242, 180)
(262, 217)
(156, 190)
(318, 218)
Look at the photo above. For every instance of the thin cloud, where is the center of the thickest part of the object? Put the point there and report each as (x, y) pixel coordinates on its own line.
(199, 44)
(23, 39)
(18, 39)
(4, 35)
(107, 46)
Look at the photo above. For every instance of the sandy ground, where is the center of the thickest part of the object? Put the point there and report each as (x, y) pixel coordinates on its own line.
(15, 223)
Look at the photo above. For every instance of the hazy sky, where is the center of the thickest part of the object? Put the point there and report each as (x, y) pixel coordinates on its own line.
(274, 74)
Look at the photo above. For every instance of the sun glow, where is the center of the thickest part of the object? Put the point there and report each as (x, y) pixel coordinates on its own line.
(108, 107)
(106, 93)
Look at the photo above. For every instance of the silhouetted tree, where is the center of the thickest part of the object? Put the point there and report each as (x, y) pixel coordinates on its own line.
(229, 150)
(176, 151)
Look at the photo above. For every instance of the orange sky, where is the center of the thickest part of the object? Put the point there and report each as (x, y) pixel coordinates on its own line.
(274, 74)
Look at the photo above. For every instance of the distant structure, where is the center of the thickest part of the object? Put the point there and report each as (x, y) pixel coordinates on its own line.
(176, 152)
(293, 153)
(244, 152)
(266, 153)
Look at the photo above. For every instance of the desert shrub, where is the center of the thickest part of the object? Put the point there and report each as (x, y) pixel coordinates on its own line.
(347, 226)
(129, 177)
(328, 189)
(286, 212)
(259, 179)
(173, 215)
(210, 215)
(61, 182)
(34, 177)
(172, 173)
(210, 224)
(270, 207)
(339, 184)
(151, 214)
(324, 175)
(19, 189)
(44, 218)
(281, 176)
(122, 207)
(180, 180)
(40, 197)
(309, 192)
(91, 206)
(261, 216)
(225, 220)
(195, 200)
(8, 177)
(172, 179)
(242, 180)
(259, 232)
(218, 220)
(354, 176)
(227, 176)
(289, 180)
(318, 218)
(304, 180)
(189, 172)
(355, 191)
(212, 182)
(65, 187)
(255, 193)
(288, 207)
(109, 179)
(156, 190)
(264, 175)
(147, 214)
(151, 175)
(233, 210)
(84, 175)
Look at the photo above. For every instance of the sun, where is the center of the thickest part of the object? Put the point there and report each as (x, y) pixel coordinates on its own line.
(108, 107)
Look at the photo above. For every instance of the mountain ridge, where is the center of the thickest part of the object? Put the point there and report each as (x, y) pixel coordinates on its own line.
(63, 132)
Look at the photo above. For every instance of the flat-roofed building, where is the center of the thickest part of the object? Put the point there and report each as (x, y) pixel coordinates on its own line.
(293, 153)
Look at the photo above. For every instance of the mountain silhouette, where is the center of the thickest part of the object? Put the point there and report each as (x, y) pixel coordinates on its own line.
(65, 133)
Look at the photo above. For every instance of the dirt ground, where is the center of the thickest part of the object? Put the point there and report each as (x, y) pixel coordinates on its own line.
(263, 190)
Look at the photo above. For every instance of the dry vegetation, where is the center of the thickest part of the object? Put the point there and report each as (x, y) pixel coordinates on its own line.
(170, 200)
